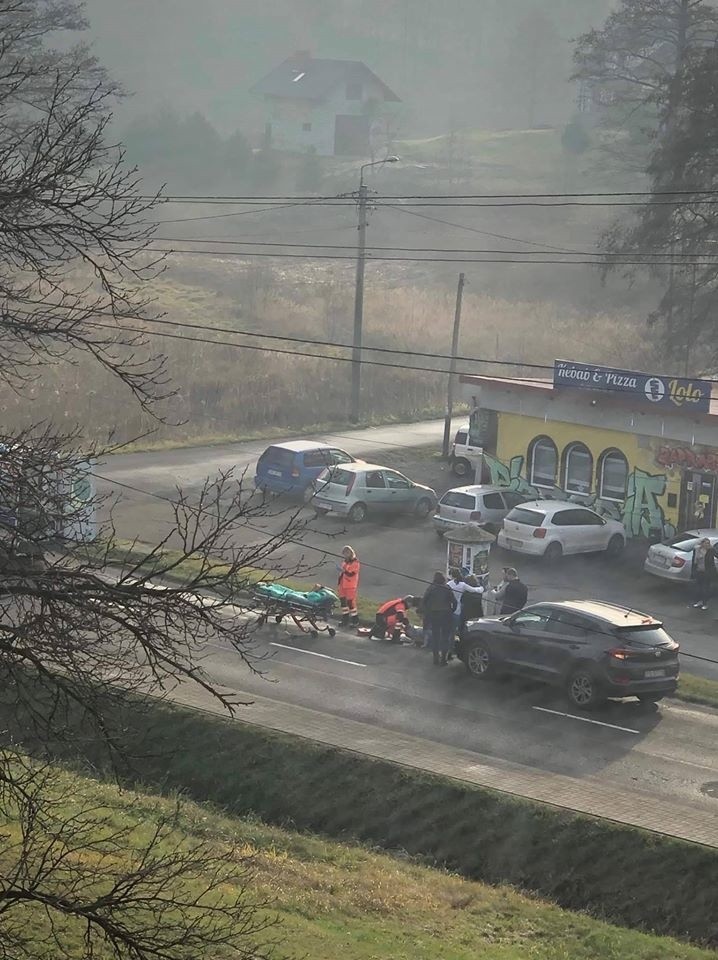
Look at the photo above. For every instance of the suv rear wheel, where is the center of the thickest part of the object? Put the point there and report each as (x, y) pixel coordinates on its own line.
(358, 513)
(583, 688)
(478, 660)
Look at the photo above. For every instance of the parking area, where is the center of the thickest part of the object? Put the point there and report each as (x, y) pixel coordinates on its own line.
(399, 556)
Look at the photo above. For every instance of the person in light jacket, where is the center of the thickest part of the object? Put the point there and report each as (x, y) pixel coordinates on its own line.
(460, 587)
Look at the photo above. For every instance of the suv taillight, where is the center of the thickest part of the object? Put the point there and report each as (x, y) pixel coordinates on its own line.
(350, 483)
(540, 533)
(295, 472)
(475, 515)
(678, 562)
(620, 653)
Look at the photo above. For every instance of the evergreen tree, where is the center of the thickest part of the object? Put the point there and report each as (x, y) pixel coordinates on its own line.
(684, 232)
(631, 63)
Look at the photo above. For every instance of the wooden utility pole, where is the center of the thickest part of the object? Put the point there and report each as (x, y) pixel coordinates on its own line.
(354, 407)
(452, 365)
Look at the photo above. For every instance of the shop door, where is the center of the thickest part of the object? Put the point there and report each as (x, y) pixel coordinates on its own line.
(698, 500)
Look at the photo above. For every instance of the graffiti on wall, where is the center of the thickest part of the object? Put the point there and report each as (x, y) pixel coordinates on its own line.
(641, 512)
(685, 457)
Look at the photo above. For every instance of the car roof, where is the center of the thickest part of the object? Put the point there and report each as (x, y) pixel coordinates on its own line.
(612, 613)
(700, 532)
(360, 465)
(553, 506)
(298, 446)
(477, 488)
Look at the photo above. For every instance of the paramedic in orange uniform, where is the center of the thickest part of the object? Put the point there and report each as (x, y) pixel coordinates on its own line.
(349, 586)
(391, 619)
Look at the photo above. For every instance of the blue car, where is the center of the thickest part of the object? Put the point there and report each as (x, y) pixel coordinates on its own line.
(292, 467)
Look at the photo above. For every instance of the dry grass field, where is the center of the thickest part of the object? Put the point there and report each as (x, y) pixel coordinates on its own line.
(245, 385)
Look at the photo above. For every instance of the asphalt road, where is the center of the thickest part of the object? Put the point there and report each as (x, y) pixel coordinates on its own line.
(399, 557)
(667, 751)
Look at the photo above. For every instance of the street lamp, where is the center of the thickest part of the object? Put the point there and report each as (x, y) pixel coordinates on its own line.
(359, 288)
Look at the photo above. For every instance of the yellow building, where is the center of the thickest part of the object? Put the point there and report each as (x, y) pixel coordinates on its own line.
(637, 447)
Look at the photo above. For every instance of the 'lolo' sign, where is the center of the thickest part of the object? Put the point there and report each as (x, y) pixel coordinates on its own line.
(673, 392)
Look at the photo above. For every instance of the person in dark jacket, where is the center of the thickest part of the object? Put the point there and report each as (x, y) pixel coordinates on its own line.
(472, 607)
(704, 572)
(515, 594)
(439, 604)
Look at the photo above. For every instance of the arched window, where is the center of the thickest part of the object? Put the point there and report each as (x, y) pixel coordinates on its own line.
(577, 468)
(543, 462)
(612, 475)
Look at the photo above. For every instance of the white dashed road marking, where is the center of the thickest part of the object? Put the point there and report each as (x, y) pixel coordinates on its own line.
(598, 723)
(313, 653)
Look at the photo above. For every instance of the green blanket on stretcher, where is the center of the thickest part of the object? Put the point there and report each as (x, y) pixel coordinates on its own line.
(319, 597)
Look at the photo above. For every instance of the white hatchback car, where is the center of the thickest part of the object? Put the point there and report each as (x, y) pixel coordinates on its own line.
(551, 528)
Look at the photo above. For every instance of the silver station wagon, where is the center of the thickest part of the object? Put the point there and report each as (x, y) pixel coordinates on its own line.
(361, 490)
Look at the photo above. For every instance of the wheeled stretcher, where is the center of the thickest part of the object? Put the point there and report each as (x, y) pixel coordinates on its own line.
(305, 608)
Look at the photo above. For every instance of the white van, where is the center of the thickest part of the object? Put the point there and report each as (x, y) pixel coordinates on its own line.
(463, 454)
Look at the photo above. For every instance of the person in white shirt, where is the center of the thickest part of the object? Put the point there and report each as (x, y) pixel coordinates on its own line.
(459, 587)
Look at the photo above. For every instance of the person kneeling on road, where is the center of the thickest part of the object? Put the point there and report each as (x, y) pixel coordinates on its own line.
(391, 619)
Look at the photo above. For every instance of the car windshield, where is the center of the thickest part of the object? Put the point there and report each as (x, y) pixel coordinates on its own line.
(684, 542)
(531, 518)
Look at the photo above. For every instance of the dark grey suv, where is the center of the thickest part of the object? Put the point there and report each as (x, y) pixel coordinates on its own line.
(594, 650)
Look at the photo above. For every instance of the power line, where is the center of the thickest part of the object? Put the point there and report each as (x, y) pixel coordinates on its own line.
(396, 249)
(243, 254)
(401, 351)
(237, 198)
(346, 200)
(539, 381)
(241, 213)
(463, 226)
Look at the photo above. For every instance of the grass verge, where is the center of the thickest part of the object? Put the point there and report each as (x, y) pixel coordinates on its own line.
(615, 872)
(348, 901)
(692, 689)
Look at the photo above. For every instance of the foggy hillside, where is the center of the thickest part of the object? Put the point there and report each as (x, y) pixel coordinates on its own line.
(488, 63)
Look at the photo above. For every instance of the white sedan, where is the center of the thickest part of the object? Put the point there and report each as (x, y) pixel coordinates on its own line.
(551, 528)
(673, 559)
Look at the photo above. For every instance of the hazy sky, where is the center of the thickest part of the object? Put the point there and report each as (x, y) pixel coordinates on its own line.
(475, 59)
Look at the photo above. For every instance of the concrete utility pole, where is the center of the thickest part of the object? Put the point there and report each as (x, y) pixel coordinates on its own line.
(452, 364)
(362, 197)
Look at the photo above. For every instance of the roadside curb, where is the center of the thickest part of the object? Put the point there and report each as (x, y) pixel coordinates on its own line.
(588, 796)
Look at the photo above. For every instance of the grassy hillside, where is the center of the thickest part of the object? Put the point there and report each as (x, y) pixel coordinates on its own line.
(346, 901)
